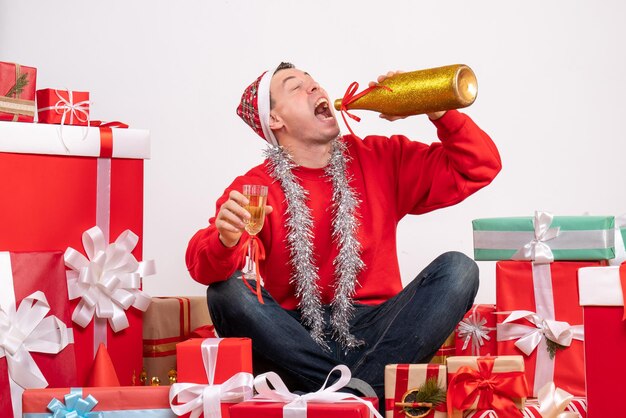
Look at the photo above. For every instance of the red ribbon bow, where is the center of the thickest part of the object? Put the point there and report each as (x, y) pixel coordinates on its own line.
(351, 96)
(257, 252)
(493, 390)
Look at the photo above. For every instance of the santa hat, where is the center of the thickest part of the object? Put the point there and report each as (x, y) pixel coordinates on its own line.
(254, 107)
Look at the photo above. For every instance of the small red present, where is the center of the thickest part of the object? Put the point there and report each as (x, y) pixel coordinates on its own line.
(476, 333)
(63, 107)
(602, 295)
(224, 356)
(35, 342)
(274, 400)
(404, 381)
(546, 321)
(226, 364)
(17, 92)
(85, 402)
(483, 383)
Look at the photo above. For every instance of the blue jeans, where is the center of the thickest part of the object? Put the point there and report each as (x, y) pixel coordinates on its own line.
(408, 328)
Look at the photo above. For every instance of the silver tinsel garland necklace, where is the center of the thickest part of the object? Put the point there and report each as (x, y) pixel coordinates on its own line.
(299, 225)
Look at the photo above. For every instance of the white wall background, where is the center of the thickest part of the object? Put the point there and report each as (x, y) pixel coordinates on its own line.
(551, 94)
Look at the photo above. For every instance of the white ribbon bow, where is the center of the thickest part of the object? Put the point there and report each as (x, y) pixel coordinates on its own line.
(553, 401)
(205, 399)
(473, 329)
(27, 330)
(537, 250)
(296, 406)
(200, 398)
(529, 337)
(108, 281)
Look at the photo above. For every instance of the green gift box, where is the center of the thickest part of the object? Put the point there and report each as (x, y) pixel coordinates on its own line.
(544, 238)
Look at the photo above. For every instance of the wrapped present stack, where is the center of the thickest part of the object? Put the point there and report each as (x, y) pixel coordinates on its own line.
(215, 379)
(539, 315)
(71, 241)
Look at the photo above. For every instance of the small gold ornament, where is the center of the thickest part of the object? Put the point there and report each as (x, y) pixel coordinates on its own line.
(143, 377)
(172, 375)
(155, 381)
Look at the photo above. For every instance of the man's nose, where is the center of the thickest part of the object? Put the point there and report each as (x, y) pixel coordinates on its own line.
(313, 87)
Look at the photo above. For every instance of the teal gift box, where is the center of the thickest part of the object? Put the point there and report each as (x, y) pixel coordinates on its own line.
(544, 238)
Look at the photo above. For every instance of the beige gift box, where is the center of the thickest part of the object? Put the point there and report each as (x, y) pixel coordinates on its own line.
(167, 322)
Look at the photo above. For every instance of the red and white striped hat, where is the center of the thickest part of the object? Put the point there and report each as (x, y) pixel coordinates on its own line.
(254, 107)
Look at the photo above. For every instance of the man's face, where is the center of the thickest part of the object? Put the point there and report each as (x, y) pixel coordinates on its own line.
(301, 107)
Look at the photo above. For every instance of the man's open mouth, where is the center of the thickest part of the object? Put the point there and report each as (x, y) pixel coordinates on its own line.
(322, 110)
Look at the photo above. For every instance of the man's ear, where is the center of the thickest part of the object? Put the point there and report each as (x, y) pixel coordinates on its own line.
(276, 121)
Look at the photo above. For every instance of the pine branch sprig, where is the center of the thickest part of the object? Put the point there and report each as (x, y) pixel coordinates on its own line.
(430, 394)
(553, 347)
(18, 87)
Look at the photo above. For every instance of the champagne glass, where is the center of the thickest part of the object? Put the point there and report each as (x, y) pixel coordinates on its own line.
(257, 196)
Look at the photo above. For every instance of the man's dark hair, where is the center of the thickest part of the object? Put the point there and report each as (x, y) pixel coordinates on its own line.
(281, 66)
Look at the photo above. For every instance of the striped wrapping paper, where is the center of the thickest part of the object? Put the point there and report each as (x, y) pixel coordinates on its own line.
(167, 322)
(531, 410)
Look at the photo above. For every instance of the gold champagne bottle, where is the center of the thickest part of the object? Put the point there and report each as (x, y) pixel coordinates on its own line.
(417, 92)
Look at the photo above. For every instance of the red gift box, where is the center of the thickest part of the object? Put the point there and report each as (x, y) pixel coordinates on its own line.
(402, 379)
(223, 363)
(475, 334)
(59, 190)
(274, 400)
(27, 278)
(230, 356)
(258, 409)
(539, 295)
(602, 295)
(125, 401)
(17, 92)
(63, 107)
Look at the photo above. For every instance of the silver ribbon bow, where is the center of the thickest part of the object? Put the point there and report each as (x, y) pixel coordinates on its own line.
(473, 329)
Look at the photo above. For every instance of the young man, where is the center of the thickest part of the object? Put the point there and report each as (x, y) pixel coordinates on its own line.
(332, 291)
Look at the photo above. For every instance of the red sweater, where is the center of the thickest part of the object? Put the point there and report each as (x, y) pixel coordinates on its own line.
(392, 176)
